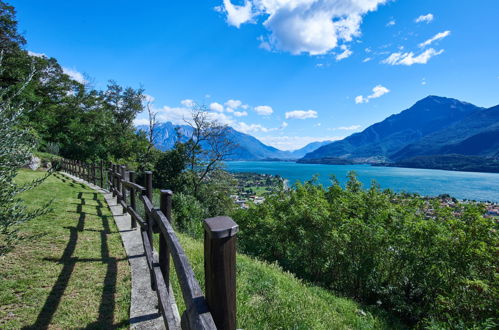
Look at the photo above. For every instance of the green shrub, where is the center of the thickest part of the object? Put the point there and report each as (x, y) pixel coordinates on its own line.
(431, 264)
(188, 214)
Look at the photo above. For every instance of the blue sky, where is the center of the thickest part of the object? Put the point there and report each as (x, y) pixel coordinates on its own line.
(286, 71)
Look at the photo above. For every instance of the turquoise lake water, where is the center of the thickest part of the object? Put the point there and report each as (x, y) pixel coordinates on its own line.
(462, 185)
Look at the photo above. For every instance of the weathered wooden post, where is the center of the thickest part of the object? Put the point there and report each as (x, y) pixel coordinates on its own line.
(149, 219)
(101, 171)
(220, 270)
(165, 205)
(123, 187)
(133, 202)
(94, 179)
(113, 179)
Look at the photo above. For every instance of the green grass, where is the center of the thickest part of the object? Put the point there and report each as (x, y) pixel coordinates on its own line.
(269, 298)
(70, 268)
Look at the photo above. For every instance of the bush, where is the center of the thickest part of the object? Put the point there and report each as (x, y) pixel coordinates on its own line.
(432, 265)
(188, 215)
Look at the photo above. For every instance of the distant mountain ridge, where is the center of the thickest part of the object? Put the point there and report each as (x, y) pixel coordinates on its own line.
(380, 141)
(436, 132)
(249, 147)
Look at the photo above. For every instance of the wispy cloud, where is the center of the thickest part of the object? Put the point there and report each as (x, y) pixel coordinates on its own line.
(294, 142)
(424, 18)
(30, 53)
(377, 91)
(391, 23)
(348, 128)
(410, 59)
(188, 103)
(263, 110)
(436, 37)
(346, 53)
(301, 114)
(75, 75)
(215, 106)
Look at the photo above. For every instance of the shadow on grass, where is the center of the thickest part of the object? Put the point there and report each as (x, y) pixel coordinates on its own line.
(107, 300)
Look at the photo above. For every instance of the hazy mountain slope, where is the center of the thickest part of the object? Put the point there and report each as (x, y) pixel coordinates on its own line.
(381, 140)
(476, 134)
(249, 147)
(299, 153)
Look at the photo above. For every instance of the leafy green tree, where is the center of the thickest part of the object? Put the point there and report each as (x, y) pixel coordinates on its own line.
(16, 147)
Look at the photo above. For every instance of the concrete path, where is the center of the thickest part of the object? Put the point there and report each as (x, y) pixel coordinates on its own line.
(144, 312)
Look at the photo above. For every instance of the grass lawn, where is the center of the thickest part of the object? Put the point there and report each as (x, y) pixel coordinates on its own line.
(70, 269)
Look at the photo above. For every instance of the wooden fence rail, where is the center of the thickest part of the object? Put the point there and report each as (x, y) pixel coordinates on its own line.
(218, 309)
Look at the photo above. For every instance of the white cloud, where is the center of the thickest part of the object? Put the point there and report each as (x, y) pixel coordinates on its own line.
(233, 104)
(438, 36)
(30, 53)
(378, 91)
(236, 15)
(391, 23)
(360, 99)
(367, 59)
(140, 122)
(294, 142)
(425, 18)
(240, 113)
(75, 75)
(301, 114)
(346, 53)
(348, 128)
(177, 115)
(250, 128)
(188, 103)
(303, 26)
(410, 59)
(216, 107)
(263, 110)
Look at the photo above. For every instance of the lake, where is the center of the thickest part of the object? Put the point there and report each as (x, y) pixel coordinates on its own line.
(462, 185)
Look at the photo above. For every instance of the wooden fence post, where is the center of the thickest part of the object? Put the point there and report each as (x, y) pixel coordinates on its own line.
(220, 270)
(94, 179)
(133, 205)
(101, 170)
(123, 187)
(115, 183)
(149, 219)
(165, 205)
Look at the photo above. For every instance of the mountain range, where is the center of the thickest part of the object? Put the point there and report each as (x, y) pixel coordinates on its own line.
(248, 147)
(436, 132)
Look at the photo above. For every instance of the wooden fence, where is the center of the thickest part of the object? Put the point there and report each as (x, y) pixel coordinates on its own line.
(218, 309)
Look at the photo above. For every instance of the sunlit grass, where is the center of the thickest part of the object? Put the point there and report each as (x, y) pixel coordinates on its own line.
(70, 269)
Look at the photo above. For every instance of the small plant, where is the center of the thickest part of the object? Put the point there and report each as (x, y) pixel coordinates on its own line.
(53, 148)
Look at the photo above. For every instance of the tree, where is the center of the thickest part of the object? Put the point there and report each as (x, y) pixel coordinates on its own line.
(208, 146)
(10, 39)
(16, 147)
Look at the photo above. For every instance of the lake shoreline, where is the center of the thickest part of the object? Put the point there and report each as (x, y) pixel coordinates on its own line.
(479, 186)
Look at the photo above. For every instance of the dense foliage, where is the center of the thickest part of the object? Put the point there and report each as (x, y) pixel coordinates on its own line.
(431, 264)
(68, 116)
(16, 147)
